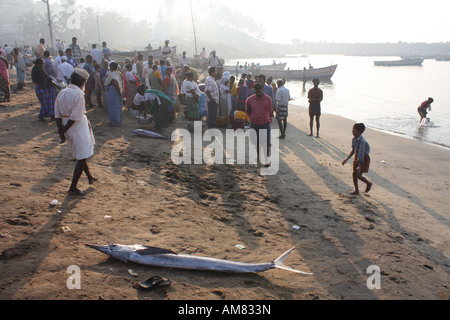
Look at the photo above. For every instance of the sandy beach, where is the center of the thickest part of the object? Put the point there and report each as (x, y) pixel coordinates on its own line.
(401, 226)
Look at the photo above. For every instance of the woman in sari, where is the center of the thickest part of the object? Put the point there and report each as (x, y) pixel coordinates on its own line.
(170, 86)
(169, 64)
(233, 87)
(45, 91)
(5, 85)
(242, 94)
(193, 94)
(225, 97)
(132, 85)
(156, 79)
(114, 89)
(21, 68)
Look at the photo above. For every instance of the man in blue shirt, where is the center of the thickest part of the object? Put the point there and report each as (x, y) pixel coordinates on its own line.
(90, 84)
(48, 65)
(71, 60)
(106, 52)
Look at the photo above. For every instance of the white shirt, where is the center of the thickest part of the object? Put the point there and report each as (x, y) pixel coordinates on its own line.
(283, 96)
(146, 74)
(184, 61)
(57, 62)
(69, 105)
(188, 86)
(97, 55)
(148, 96)
(214, 61)
(65, 70)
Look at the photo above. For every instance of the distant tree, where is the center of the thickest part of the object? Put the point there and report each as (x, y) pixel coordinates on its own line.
(33, 26)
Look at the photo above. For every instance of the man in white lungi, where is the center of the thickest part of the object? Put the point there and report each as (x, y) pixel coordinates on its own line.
(74, 127)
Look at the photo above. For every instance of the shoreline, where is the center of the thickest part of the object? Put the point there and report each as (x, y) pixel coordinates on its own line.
(402, 226)
(398, 134)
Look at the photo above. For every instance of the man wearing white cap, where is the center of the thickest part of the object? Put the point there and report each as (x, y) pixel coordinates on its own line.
(65, 70)
(166, 50)
(57, 61)
(74, 127)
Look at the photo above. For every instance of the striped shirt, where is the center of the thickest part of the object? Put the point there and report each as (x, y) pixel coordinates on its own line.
(211, 86)
(76, 52)
(361, 148)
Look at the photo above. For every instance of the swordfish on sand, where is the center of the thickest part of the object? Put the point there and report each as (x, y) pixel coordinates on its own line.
(158, 257)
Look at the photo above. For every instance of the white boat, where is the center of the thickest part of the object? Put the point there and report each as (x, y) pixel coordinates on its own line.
(304, 75)
(263, 68)
(402, 62)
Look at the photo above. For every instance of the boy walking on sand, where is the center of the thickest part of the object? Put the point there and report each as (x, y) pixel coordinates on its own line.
(361, 150)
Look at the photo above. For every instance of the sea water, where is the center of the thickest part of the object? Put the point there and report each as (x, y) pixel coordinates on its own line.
(384, 98)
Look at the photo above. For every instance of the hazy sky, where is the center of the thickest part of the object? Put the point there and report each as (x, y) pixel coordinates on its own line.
(325, 20)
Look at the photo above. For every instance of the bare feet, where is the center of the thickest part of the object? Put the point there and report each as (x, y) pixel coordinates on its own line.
(355, 193)
(93, 180)
(310, 135)
(76, 192)
(369, 186)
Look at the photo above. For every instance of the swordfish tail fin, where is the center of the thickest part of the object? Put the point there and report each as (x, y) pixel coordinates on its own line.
(278, 263)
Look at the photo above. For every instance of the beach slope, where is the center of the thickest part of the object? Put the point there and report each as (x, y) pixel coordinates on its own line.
(401, 227)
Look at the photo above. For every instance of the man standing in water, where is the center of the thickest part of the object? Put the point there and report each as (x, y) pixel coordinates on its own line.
(315, 97)
(74, 127)
(424, 108)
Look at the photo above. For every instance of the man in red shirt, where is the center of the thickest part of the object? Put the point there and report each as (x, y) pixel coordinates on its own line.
(259, 109)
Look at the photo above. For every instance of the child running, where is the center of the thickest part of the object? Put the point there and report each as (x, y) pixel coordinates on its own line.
(361, 150)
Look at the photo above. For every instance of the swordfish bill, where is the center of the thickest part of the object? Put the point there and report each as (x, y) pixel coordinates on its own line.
(158, 257)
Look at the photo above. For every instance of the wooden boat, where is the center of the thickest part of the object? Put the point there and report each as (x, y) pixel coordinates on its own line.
(402, 62)
(157, 54)
(263, 68)
(303, 75)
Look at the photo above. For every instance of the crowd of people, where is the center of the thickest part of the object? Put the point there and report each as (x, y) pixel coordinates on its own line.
(158, 88)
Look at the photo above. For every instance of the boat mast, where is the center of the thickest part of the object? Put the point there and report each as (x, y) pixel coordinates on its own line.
(193, 26)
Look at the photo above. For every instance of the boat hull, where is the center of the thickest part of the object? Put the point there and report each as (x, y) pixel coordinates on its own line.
(397, 63)
(304, 75)
(264, 68)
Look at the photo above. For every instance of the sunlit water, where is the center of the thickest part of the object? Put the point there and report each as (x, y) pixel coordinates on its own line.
(384, 98)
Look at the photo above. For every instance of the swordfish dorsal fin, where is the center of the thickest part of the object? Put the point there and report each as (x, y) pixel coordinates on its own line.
(154, 250)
